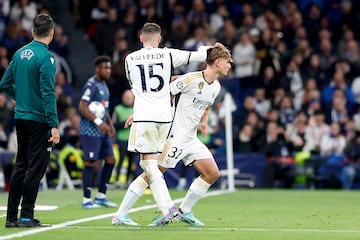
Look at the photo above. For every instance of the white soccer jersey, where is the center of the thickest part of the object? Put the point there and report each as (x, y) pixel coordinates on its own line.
(196, 94)
(149, 71)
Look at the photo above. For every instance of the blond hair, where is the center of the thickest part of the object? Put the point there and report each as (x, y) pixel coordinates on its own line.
(216, 52)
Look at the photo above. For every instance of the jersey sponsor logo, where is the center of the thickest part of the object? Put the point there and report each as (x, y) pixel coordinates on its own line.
(91, 154)
(52, 60)
(200, 104)
(27, 53)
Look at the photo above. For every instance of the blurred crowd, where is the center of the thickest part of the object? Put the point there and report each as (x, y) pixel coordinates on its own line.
(295, 80)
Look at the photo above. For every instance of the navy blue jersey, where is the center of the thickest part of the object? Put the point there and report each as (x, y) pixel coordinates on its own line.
(94, 90)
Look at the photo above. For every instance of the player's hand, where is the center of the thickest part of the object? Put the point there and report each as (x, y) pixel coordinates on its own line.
(129, 121)
(111, 130)
(173, 78)
(204, 129)
(104, 128)
(55, 136)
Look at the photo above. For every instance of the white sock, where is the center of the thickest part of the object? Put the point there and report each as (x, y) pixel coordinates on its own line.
(157, 185)
(100, 195)
(85, 200)
(196, 191)
(133, 193)
(168, 200)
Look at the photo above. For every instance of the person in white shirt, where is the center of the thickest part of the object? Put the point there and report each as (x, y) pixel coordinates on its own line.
(149, 72)
(196, 91)
(244, 57)
(333, 144)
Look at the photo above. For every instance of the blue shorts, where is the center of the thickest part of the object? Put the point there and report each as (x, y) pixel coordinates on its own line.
(96, 148)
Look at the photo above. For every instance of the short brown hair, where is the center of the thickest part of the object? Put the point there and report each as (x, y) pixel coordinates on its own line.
(42, 25)
(218, 51)
(151, 28)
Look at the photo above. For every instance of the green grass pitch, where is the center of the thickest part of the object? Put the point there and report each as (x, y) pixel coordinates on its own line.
(243, 214)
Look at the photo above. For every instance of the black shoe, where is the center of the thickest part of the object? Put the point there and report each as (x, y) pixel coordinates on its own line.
(11, 224)
(32, 223)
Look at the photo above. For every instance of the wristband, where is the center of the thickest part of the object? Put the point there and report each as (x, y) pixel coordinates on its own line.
(98, 121)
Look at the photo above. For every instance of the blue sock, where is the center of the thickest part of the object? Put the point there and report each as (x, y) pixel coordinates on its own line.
(105, 176)
(25, 219)
(88, 172)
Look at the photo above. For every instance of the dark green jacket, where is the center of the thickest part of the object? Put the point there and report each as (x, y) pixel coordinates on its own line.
(30, 80)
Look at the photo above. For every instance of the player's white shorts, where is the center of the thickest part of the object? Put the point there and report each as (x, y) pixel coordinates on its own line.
(174, 152)
(148, 137)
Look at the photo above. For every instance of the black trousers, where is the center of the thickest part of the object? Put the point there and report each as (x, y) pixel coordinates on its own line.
(31, 161)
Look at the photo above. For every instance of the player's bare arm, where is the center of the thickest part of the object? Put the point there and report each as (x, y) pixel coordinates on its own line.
(204, 121)
(111, 125)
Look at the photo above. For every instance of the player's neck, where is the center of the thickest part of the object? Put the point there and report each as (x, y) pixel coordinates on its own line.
(210, 75)
(150, 45)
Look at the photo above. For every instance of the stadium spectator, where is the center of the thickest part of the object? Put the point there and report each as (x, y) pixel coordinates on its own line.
(24, 11)
(59, 44)
(244, 142)
(315, 130)
(352, 168)
(13, 37)
(293, 83)
(327, 56)
(216, 19)
(333, 143)
(66, 120)
(244, 58)
(261, 105)
(279, 170)
(267, 137)
(200, 38)
(338, 112)
(197, 15)
(229, 35)
(104, 33)
(338, 84)
(100, 12)
(287, 113)
(313, 70)
(179, 27)
(4, 15)
(5, 113)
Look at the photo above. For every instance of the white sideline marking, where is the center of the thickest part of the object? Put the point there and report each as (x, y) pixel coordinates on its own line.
(37, 207)
(82, 220)
(233, 229)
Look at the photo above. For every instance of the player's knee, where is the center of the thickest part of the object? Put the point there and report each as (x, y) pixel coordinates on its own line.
(89, 163)
(110, 160)
(213, 176)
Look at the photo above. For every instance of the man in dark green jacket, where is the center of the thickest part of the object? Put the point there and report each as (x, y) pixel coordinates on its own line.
(29, 79)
